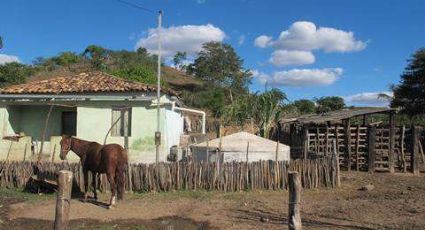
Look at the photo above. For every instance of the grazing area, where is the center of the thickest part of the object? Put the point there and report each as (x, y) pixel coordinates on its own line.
(364, 201)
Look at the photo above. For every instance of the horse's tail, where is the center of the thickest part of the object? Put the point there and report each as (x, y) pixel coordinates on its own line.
(120, 175)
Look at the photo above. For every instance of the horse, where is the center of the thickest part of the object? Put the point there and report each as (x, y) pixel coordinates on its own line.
(110, 159)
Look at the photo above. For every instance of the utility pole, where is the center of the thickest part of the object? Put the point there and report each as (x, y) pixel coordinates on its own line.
(158, 91)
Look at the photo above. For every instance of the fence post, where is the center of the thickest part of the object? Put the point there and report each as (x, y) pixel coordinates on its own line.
(348, 143)
(391, 156)
(336, 163)
(63, 200)
(306, 142)
(371, 148)
(247, 166)
(416, 135)
(294, 216)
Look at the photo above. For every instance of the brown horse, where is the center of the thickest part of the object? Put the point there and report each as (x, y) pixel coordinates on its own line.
(110, 159)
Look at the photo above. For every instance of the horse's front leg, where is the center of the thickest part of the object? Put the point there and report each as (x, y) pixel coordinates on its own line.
(86, 184)
(94, 183)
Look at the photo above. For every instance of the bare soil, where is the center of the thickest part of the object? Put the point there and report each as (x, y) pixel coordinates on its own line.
(396, 202)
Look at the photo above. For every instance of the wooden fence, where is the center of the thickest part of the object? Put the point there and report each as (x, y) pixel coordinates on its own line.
(227, 177)
(369, 148)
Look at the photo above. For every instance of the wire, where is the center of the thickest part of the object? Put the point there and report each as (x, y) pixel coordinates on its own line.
(136, 6)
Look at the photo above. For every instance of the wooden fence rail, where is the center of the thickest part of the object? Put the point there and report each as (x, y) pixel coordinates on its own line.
(227, 177)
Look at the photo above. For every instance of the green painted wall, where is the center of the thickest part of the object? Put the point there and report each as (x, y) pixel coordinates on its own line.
(94, 118)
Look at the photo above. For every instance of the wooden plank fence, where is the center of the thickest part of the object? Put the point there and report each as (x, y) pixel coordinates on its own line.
(386, 148)
(227, 177)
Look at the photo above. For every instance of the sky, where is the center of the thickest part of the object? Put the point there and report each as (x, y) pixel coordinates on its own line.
(355, 49)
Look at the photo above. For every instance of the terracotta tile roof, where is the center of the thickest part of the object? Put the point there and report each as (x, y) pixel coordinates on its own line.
(91, 82)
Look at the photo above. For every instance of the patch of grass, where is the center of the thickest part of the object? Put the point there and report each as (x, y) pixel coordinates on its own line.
(19, 194)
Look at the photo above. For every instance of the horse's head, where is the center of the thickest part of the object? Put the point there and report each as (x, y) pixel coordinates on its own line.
(65, 146)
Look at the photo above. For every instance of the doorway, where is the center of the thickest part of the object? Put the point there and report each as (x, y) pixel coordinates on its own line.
(69, 123)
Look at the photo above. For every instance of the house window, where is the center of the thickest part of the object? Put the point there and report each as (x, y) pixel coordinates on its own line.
(121, 121)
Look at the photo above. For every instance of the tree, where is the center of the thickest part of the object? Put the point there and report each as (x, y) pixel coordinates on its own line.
(137, 73)
(179, 59)
(220, 65)
(305, 106)
(97, 55)
(66, 58)
(268, 110)
(13, 73)
(331, 103)
(409, 94)
(263, 109)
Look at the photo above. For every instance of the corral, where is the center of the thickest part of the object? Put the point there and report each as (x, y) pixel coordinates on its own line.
(362, 144)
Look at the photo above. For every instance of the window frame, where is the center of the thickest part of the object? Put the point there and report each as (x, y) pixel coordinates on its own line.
(122, 131)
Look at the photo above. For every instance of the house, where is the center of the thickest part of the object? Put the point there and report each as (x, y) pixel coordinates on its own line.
(93, 106)
(234, 147)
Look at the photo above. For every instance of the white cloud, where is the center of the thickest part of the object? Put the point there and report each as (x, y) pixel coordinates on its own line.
(262, 77)
(305, 77)
(241, 39)
(188, 38)
(291, 57)
(369, 99)
(262, 41)
(8, 58)
(303, 35)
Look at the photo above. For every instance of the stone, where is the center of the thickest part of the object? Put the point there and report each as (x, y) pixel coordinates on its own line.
(368, 187)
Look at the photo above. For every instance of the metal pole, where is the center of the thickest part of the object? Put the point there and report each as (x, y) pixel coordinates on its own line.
(158, 91)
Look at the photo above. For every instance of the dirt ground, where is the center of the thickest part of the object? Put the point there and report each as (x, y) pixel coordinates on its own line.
(396, 202)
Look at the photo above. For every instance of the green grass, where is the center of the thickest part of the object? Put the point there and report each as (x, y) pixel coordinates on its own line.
(14, 193)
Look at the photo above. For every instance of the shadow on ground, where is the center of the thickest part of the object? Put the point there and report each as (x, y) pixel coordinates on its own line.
(257, 215)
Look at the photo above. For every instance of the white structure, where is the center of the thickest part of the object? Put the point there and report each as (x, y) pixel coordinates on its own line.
(234, 148)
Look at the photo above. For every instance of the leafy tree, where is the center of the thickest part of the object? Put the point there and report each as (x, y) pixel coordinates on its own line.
(126, 59)
(13, 73)
(179, 59)
(331, 103)
(409, 95)
(67, 58)
(138, 73)
(213, 99)
(305, 106)
(97, 55)
(241, 110)
(220, 65)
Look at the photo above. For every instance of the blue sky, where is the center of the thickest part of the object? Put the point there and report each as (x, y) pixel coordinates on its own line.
(351, 48)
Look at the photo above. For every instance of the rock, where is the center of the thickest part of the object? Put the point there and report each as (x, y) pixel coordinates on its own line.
(413, 210)
(264, 219)
(368, 187)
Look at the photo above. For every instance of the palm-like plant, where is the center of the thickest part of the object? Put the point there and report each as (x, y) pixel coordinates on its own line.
(268, 110)
(262, 109)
